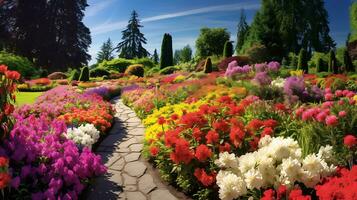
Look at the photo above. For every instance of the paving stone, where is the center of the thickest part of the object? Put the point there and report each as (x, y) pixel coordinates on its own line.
(111, 140)
(118, 165)
(137, 131)
(115, 177)
(132, 157)
(162, 194)
(135, 169)
(139, 139)
(135, 196)
(109, 158)
(127, 143)
(130, 188)
(146, 184)
(133, 120)
(129, 180)
(136, 147)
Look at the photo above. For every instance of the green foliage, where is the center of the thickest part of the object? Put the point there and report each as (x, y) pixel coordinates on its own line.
(228, 49)
(169, 70)
(118, 65)
(208, 66)
(211, 41)
(74, 76)
(166, 51)
(18, 63)
(258, 53)
(84, 74)
(147, 62)
(152, 71)
(293, 60)
(106, 51)
(347, 62)
(268, 93)
(332, 62)
(99, 72)
(155, 57)
(243, 31)
(353, 21)
(303, 61)
(322, 66)
(132, 45)
(136, 70)
(186, 54)
(319, 65)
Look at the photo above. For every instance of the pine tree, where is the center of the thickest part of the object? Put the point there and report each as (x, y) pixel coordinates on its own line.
(155, 57)
(332, 62)
(166, 51)
(228, 49)
(133, 40)
(106, 52)
(242, 33)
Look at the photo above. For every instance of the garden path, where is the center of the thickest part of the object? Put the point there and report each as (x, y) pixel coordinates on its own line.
(129, 175)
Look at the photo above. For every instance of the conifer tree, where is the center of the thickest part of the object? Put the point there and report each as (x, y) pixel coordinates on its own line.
(166, 52)
(106, 51)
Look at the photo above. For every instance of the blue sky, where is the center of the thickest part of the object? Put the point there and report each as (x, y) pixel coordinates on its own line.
(184, 18)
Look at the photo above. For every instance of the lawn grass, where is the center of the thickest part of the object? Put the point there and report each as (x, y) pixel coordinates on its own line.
(26, 97)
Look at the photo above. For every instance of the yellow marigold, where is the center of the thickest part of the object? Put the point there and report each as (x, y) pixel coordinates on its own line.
(179, 78)
(296, 72)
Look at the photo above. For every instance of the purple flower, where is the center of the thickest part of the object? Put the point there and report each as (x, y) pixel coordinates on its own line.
(234, 69)
(262, 78)
(260, 67)
(273, 66)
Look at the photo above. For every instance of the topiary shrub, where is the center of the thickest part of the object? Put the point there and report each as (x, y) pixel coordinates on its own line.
(208, 66)
(228, 49)
(168, 70)
(332, 62)
(147, 62)
(241, 60)
(18, 63)
(348, 62)
(99, 72)
(319, 65)
(166, 52)
(303, 61)
(118, 65)
(74, 76)
(258, 53)
(152, 71)
(57, 75)
(84, 74)
(136, 70)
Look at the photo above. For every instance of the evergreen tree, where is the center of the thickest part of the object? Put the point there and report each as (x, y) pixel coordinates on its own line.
(332, 62)
(177, 56)
(211, 41)
(228, 49)
(166, 51)
(155, 57)
(133, 40)
(347, 62)
(106, 52)
(186, 54)
(303, 61)
(242, 33)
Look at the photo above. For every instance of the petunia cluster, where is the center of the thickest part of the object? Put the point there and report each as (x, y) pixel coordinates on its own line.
(278, 161)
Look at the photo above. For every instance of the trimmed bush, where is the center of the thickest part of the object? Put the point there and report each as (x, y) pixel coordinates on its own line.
(208, 66)
(303, 61)
(319, 65)
(348, 62)
(241, 60)
(146, 62)
(332, 62)
(21, 64)
(84, 74)
(136, 70)
(258, 53)
(118, 65)
(57, 75)
(99, 72)
(166, 52)
(228, 49)
(169, 70)
(74, 75)
(152, 71)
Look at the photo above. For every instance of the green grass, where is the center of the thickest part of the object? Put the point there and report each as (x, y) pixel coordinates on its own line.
(26, 97)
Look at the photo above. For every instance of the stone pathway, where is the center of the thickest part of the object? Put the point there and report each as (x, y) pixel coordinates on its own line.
(129, 175)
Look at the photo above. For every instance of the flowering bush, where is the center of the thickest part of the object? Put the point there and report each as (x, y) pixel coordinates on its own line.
(85, 135)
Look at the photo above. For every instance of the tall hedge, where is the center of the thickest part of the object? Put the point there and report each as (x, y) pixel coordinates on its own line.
(332, 62)
(228, 49)
(208, 66)
(348, 62)
(166, 52)
(319, 65)
(303, 61)
(84, 74)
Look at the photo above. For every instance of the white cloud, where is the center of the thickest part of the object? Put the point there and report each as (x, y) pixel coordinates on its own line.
(112, 26)
(96, 8)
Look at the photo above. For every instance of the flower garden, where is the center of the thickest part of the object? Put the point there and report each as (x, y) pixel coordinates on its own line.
(257, 131)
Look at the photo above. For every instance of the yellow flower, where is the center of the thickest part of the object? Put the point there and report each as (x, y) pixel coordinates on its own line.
(179, 78)
(296, 72)
(355, 98)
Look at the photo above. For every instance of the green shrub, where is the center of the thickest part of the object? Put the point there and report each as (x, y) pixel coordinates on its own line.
(84, 74)
(322, 67)
(228, 49)
(152, 71)
(166, 51)
(169, 70)
(319, 65)
(332, 62)
(99, 72)
(136, 70)
(293, 60)
(146, 62)
(118, 65)
(348, 62)
(208, 66)
(303, 61)
(21, 64)
(74, 76)
(57, 75)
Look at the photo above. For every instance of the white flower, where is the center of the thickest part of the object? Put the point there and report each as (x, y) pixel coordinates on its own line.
(279, 82)
(227, 160)
(290, 170)
(231, 186)
(85, 135)
(312, 163)
(253, 179)
(265, 141)
(325, 153)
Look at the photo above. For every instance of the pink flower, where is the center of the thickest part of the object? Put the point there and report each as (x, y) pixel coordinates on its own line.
(350, 141)
(341, 102)
(327, 90)
(299, 111)
(327, 104)
(321, 117)
(342, 113)
(329, 97)
(350, 94)
(338, 93)
(331, 120)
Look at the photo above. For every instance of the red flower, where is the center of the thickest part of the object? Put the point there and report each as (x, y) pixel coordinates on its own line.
(268, 195)
(154, 151)
(331, 120)
(3, 68)
(296, 194)
(182, 152)
(225, 99)
(4, 162)
(197, 134)
(225, 147)
(270, 123)
(212, 137)
(174, 117)
(204, 178)
(192, 119)
(281, 191)
(236, 135)
(220, 126)
(8, 109)
(254, 125)
(350, 141)
(14, 75)
(235, 110)
(204, 109)
(161, 120)
(203, 153)
(254, 143)
(5, 179)
(280, 106)
(266, 131)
